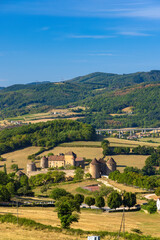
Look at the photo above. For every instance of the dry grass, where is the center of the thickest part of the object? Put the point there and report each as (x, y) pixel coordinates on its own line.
(115, 142)
(69, 187)
(155, 140)
(127, 109)
(148, 224)
(129, 161)
(18, 157)
(87, 152)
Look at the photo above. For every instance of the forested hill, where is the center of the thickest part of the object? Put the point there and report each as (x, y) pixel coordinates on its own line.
(114, 81)
(103, 93)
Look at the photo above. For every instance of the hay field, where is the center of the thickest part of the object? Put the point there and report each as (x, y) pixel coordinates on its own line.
(18, 157)
(116, 142)
(148, 224)
(155, 140)
(87, 152)
(128, 160)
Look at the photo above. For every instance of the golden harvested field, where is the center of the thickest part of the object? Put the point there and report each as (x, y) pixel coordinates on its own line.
(129, 143)
(18, 157)
(148, 224)
(129, 161)
(87, 152)
(156, 140)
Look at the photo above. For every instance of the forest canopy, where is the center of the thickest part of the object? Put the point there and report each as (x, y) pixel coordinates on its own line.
(47, 134)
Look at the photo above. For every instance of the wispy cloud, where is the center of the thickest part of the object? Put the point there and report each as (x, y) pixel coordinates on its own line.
(84, 8)
(135, 34)
(101, 54)
(91, 36)
(44, 28)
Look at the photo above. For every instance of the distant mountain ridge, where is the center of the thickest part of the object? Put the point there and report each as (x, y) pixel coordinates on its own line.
(102, 93)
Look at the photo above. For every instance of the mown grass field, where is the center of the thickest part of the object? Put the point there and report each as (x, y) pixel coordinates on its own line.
(128, 161)
(18, 157)
(89, 220)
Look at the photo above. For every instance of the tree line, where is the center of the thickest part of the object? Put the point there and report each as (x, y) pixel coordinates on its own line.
(47, 134)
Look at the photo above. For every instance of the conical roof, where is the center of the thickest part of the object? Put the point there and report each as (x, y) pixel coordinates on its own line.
(101, 160)
(95, 162)
(111, 161)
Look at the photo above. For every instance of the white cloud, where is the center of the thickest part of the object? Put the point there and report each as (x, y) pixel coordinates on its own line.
(101, 54)
(85, 8)
(44, 28)
(136, 34)
(91, 36)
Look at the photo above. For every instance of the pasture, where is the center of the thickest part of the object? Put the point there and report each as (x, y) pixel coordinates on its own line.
(18, 157)
(148, 224)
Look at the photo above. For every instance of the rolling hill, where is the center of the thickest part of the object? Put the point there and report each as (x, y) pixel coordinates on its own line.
(104, 94)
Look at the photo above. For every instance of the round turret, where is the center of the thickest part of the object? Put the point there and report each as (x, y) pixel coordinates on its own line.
(44, 162)
(31, 167)
(94, 169)
(111, 164)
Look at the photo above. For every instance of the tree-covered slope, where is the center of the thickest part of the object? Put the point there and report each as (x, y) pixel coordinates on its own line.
(145, 103)
(103, 93)
(47, 134)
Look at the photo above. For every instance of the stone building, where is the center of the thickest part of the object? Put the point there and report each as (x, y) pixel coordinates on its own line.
(44, 162)
(31, 167)
(62, 160)
(101, 167)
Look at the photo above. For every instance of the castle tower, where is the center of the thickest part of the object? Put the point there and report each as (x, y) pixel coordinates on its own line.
(103, 166)
(44, 162)
(31, 167)
(95, 168)
(111, 165)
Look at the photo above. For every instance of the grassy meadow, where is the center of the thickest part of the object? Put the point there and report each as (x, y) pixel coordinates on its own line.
(71, 187)
(18, 157)
(148, 224)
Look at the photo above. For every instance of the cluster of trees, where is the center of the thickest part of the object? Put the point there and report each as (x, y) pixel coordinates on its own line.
(45, 178)
(143, 150)
(115, 200)
(11, 185)
(135, 179)
(47, 134)
(140, 150)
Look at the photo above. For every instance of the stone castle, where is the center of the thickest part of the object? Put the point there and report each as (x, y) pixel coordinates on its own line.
(97, 168)
(101, 167)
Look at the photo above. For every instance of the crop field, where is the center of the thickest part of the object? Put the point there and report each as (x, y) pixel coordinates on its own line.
(48, 116)
(18, 157)
(148, 224)
(128, 161)
(151, 139)
(87, 152)
(115, 142)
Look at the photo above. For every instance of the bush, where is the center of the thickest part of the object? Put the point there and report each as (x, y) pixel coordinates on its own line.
(89, 201)
(57, 193)
(157, 192)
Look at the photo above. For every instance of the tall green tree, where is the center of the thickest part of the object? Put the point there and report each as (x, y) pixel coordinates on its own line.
(114, 200)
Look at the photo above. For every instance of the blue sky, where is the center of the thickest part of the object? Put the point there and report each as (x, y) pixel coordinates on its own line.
(54, 40)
